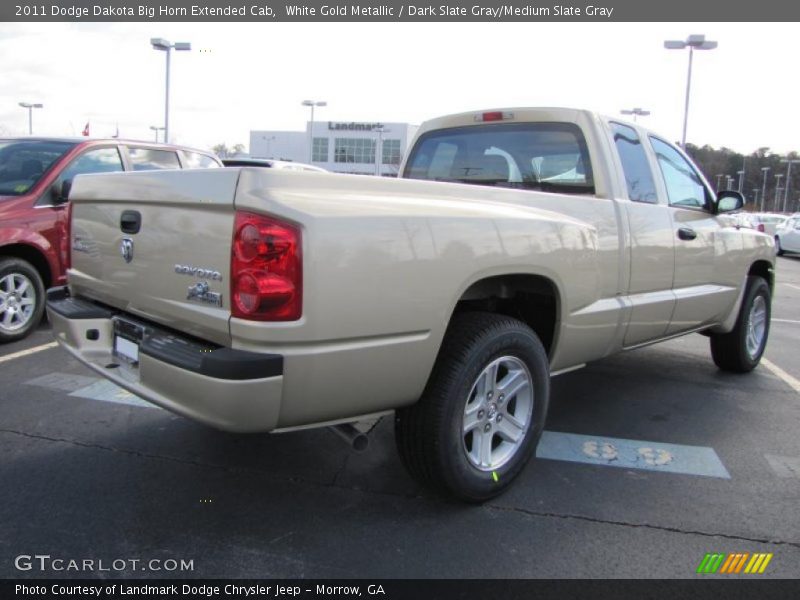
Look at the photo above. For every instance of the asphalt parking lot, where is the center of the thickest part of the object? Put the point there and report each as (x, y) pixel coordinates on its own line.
(651, 460)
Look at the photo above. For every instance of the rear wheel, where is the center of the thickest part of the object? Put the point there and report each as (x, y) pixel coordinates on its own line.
(482, 413)
(740, 350)
(21, 299)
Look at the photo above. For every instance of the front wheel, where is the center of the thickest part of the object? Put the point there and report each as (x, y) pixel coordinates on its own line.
(740, 350)
(21, 299)
(482, 413)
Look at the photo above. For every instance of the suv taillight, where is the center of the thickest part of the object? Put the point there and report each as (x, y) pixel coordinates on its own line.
(761, 227)
(266, 269)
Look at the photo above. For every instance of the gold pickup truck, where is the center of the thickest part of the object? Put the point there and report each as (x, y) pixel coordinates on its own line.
(517, 244)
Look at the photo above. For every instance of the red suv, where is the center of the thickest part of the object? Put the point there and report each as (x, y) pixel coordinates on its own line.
(35, 176)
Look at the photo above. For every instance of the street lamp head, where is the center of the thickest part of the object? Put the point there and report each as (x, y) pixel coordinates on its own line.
(31, 105)
(182, 46)
(674, 45)
(314, 103)
(160, 44)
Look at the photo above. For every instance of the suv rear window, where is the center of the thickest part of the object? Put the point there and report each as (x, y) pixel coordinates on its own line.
(538, 156)
(149, 159)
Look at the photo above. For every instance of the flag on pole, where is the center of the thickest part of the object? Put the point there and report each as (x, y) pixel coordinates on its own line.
(86, 129)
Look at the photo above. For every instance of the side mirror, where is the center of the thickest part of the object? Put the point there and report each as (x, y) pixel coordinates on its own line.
(61, 194)
(728, 201)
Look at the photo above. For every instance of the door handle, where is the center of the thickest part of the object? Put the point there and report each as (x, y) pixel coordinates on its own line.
(687, 233)
(130, 221)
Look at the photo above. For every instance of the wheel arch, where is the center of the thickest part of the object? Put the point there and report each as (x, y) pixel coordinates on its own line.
(765, 270)
(32, 255)
(532, 298)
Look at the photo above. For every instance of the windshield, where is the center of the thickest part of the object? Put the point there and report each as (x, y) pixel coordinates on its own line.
(540, 156)
(22, 163)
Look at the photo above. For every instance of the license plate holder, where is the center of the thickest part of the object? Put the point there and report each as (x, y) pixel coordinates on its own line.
(128, 336)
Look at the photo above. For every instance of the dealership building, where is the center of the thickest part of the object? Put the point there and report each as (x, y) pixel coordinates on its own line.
(343, 147)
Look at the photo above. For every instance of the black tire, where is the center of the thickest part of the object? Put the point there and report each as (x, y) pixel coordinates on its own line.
(429, 434)
(730, 350)
(778, 250)
(16, 321)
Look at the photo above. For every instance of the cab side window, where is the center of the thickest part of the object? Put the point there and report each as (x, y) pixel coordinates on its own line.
(638, 176)
(685, 189)
(195, 160)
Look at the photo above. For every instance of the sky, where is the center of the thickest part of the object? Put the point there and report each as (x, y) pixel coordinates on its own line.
(253, 76)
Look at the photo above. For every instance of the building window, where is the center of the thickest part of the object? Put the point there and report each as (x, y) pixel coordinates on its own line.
(354, 150)
(319, 152)
(390, 154)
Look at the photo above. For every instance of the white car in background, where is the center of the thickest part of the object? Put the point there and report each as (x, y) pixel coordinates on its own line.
(787, 236)
(768, 222)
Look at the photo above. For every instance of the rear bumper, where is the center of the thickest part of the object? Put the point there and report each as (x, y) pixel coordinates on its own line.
(232, 390)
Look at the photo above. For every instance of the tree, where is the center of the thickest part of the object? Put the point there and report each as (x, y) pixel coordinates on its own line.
(223, 151)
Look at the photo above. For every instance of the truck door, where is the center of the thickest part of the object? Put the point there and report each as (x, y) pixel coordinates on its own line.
(707, 255)
(651, 244)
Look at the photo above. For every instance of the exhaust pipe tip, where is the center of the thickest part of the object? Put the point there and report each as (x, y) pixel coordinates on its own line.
(358, 441)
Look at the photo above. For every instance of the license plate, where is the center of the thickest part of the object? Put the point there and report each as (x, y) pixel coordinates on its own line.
(126, 349)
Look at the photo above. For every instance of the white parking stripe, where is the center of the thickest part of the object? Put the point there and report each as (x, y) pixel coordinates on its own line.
(28, 352)
(786, 321)
(787, 379)
(791, 285)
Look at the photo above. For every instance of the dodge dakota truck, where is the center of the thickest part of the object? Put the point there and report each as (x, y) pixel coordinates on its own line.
(517, 244)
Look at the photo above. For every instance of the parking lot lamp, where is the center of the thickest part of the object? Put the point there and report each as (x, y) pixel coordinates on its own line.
(741, 180)
(778, 189)
(166, 47)
(693, 42)
(312, 104)
(636, 112)
(788, 162)
(30, 106)
(156, 129)
(764, 170)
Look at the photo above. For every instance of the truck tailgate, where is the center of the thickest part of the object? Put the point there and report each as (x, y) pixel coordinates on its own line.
(158, 246)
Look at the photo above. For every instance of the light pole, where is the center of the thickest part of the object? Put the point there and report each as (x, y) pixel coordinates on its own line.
(764, 170)
(755, 196)
(719, 177)
(741, 180)
(636, 112)
(30, 106)
(379, 149)
(778, 189)
(730, 182)
(269, 141)
(788, 162)
(312, 104)
(166, 47)
(693, 42)
(156, 129)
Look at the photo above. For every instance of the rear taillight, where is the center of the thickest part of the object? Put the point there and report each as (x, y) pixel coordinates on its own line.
(266, 269)
(761, 227)
(495, 115)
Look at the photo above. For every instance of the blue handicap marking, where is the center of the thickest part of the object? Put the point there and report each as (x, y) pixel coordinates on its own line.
(631, 454)
(110, 392)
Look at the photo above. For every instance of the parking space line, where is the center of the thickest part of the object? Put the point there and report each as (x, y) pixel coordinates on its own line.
(785, 321)
(791, 285)
(631, 454)
(27, 352)
(107, 391)
(787, 379)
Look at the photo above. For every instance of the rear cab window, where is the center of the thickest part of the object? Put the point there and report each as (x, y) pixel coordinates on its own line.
(551, 157)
